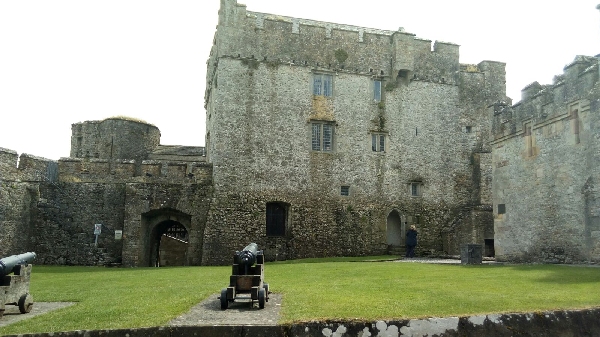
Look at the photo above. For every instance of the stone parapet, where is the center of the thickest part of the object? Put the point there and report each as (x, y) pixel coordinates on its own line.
(281, 40)
(110, 171)
(541, 103)
(8, 164)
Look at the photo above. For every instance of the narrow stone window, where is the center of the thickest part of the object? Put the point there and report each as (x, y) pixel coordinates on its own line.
(501, 208)
(78, 146)
(322, 136)
(528, 139)
(322, 85)
(378, 142)
(345, 190)
(276, 219)
(415, 188)
(575, 125)
(377, 90)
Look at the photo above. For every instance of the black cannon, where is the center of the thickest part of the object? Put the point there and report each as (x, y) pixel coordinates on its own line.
(14, 289)
(247, 278)
(14, 262)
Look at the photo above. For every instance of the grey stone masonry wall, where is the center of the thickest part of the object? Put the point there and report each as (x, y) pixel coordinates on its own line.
(19, 196)
(149, 204)
(546, 170)
(260, 113)
(64, 225)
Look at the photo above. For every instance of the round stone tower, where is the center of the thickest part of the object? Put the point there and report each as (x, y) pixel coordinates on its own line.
(114, 138)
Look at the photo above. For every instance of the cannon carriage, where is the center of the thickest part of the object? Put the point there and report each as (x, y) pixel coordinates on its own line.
(14, 289)
(247, 278)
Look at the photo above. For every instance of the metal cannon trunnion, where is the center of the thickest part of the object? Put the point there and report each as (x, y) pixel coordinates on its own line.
(247, 278)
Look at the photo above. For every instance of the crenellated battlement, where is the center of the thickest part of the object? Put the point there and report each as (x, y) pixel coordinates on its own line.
(8, 164)
(124, 171)
(26, 167)
(543, 104)
(282, 40)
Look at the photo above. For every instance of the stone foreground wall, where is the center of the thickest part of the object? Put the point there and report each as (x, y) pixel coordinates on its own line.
(583, 323)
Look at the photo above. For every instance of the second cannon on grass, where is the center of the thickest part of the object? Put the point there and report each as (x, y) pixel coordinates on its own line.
(247, 278)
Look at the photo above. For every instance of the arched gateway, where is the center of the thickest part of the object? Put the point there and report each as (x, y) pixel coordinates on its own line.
(167, 238)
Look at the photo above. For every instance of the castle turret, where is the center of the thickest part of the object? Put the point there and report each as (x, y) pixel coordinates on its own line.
(114, 138)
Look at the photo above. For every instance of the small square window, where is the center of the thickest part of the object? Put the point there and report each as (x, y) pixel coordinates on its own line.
(415, 189)
(468, 129)
(322, 85)
(345, 190)
(501, 208)
(322, 137)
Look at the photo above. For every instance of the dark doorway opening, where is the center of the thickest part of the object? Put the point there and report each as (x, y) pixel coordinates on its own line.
(395, 231)
(489, 248)
(170, 241)
(276, 219)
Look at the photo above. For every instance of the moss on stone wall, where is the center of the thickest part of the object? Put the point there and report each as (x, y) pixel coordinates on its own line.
(251, 63)
(341, 56)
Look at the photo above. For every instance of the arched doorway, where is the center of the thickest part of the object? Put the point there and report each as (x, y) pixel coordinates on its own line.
(394, 231)
(170, 244)
(167, 237)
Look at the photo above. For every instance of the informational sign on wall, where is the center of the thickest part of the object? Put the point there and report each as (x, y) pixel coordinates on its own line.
(118, 234)
(97, 231)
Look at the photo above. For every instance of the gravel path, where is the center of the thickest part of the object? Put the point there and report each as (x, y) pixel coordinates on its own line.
(438, 261)
(12, 313)
(208, 312)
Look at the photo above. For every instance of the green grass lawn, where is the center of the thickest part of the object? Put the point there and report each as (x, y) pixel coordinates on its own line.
(312, 289)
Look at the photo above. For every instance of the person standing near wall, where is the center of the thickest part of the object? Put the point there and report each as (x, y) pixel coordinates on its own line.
(411, 241)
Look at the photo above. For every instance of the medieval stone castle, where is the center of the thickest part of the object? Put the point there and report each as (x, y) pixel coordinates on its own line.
(325, 140)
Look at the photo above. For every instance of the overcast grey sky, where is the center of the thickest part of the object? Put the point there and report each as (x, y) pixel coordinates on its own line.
(67, 61)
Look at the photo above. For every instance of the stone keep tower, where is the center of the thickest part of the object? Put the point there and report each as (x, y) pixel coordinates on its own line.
(329, 139)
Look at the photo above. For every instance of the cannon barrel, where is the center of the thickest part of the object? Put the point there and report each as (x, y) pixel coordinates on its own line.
(247, 256)
(8, 264)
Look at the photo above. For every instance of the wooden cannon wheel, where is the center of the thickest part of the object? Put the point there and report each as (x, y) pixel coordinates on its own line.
(261, 298)
(223, 298)
(25, 303)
